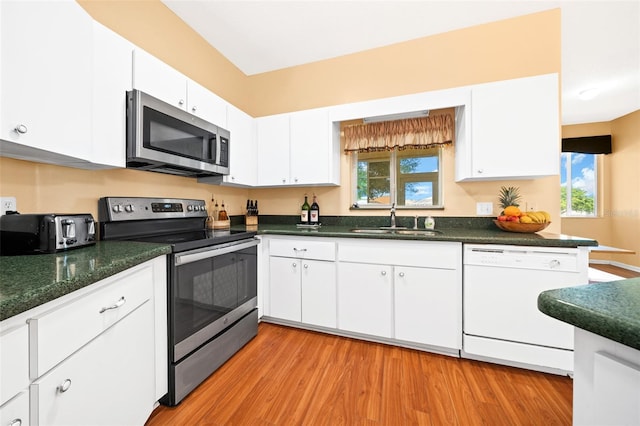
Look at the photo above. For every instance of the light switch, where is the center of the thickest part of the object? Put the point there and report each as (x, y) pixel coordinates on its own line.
(484, 209)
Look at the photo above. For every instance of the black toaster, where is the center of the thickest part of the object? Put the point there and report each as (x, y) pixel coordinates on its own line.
(45, 233)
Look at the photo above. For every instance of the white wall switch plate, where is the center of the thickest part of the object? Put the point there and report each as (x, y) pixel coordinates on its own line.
(6, 204)
(484, 209)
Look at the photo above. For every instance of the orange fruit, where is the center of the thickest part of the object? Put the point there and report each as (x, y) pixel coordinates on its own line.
(512, 211)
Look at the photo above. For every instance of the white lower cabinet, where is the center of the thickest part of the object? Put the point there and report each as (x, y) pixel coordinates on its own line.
(408, 292)
(15, 412)
(365, 298)
(302, 284)
(95, 356)
(107, 382)
(427, 306)
(405, 290)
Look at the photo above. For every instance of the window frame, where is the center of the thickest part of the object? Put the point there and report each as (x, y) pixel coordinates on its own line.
(394, 172)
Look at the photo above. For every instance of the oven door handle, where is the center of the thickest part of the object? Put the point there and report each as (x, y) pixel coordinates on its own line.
(183, 259)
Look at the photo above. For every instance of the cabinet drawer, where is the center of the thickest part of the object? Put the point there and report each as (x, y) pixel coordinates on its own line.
(433, 254)
(58, 333)
(14, 361)
(303, 248)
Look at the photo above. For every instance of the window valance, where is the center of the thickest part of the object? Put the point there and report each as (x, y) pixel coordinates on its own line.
(423, 132)
(588, 144)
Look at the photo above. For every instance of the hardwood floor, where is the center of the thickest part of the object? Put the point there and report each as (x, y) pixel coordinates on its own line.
(615, 270)
(287, 376)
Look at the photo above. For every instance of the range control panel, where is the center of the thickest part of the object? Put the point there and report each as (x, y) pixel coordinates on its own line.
(112, 209)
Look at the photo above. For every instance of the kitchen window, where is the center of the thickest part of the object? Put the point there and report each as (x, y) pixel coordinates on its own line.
(408, 178)
(578, 184)
(579, 174)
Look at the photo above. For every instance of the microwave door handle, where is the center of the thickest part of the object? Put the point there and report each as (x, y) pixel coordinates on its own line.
(183, 259)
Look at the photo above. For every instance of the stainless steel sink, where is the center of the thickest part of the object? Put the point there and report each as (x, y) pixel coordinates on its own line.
(396, 230)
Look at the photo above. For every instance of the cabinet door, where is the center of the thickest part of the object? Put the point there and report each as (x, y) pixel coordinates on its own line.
(242, 151)
(364, 298)
(206, 104)
(16, 411)
(112, 62)
(428, 306)
(45, 54)
(319, 293)
(514, 118)
(284, 288)
(110, 380)
(310, 147)
(158, 79)
(14, 361)
(273, 150)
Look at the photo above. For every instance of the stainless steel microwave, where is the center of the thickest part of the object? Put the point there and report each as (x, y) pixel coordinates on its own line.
(166, 139)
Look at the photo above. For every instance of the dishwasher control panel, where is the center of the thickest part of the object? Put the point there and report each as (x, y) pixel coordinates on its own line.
(522, 257)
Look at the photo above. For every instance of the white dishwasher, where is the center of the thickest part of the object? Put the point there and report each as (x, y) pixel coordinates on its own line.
(501, 320)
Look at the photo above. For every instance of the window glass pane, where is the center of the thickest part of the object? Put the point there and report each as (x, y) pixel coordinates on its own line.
(578, 180)
(418, 194)
(419, 164)
(374, 182)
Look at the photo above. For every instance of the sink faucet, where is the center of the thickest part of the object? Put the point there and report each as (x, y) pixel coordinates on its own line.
(393, 215)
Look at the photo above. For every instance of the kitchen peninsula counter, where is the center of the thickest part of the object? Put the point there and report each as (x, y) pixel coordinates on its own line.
(609, 309)
(30, 281)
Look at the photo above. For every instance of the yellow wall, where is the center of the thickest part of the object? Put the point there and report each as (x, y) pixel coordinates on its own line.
(618, 221)
(512, 48)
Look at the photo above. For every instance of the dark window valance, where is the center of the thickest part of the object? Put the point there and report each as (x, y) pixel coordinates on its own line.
(588, 144)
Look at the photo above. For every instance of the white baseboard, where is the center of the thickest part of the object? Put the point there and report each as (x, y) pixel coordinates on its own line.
(614, 263)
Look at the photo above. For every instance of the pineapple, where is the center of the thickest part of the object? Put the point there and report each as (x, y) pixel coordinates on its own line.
(509, 196)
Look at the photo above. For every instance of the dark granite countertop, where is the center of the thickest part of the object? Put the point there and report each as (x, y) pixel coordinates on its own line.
(30, 281)
(610, 309)
(457, 234)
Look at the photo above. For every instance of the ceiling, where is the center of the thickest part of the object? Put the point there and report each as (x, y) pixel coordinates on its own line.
(600, 38)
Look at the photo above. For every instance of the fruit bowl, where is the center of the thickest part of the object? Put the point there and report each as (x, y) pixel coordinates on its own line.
(526, 228)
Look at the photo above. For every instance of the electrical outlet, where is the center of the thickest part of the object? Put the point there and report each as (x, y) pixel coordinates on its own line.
(484, 209)
(530, 207)
(7, 204)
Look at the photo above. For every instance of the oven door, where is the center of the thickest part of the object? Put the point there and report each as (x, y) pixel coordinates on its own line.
(210, 289)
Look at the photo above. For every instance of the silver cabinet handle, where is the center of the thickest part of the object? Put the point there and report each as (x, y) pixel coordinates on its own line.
(21, 128)
(401, 274)
(193, 109)
(294, 264)
(383, 273)
(297, 249)
(15, 422)
(306, 266)
(480, 171)
(116, 305)
(554, 263)
(181, 102)
(64, 386)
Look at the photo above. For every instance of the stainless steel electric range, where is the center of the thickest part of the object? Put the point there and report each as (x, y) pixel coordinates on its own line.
(212, 282)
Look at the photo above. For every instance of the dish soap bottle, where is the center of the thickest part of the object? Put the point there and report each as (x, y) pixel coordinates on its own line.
(429, 223)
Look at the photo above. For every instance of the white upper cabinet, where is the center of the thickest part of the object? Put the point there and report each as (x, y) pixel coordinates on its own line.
(299, 148)
(158, 79)
(273, 150)
(511, 131)
(312, 149)
(111, 79)
(206, 104)
(243, 166)
(45, 80)
(161, 81)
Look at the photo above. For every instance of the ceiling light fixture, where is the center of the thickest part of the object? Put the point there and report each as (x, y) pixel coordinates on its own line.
(590, 93)
(400, 116)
